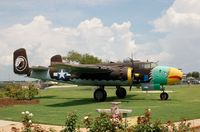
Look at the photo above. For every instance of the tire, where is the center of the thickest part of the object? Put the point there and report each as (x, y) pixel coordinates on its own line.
(121, 93)
(100, 95)
(164, 96)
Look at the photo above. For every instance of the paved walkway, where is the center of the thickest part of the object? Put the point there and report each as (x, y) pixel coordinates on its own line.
(195, 124)
(5, 123)
(5, 126)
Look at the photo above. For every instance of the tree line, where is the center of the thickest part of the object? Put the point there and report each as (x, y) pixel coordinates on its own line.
(76, 57)
(194, 74)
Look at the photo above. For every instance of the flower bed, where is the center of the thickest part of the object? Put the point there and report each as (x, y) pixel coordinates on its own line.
(9, 102)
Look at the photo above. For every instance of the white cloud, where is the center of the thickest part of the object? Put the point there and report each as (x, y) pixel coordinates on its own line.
(173, 20)
(181, 22)
(42, 40)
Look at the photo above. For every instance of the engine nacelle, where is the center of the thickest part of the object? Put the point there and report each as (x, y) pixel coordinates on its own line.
(122, 73)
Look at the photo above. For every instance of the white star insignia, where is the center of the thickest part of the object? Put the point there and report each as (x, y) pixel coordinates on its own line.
(62, 74)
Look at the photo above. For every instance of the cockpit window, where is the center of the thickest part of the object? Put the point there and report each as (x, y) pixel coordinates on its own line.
(147, 65)
(153, 64)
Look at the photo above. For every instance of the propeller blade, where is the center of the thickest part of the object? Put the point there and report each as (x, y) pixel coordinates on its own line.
(130, 87)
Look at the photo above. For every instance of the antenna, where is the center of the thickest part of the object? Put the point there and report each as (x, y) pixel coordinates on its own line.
(131, 59)
(132, 55)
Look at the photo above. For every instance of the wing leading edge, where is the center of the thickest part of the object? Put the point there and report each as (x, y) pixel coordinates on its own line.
(83, 68)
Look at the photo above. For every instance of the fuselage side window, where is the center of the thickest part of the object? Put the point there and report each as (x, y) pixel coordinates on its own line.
(153, 64)
(147, 65)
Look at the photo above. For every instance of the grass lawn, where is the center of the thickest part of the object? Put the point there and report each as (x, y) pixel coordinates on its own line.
(56, 103)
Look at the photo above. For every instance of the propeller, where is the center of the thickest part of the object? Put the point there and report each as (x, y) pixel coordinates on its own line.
(131, 60)
(130, 87)
(131, 84)
(132, 72)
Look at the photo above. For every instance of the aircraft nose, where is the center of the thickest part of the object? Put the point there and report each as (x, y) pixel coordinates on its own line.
(174, 76)
(166, 75)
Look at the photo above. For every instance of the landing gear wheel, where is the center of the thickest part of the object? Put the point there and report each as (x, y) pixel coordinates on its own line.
(164, 96)
(121, 92)
(100, 95)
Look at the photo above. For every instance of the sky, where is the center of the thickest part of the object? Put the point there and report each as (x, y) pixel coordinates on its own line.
(156, 30)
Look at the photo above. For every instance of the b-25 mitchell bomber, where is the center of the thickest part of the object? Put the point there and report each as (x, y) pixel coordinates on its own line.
(146, 74)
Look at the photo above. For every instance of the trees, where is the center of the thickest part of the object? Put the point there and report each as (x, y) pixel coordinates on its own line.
(194, 74)
(74, 56)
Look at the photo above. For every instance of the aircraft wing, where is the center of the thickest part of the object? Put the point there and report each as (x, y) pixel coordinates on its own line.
(83, 68)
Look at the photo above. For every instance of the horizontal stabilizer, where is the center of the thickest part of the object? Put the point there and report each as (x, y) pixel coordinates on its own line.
(39, 68)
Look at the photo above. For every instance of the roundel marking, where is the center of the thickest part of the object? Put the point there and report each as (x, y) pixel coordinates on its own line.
(20, 63)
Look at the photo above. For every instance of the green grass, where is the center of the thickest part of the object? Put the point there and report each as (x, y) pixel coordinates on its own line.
(56, 103)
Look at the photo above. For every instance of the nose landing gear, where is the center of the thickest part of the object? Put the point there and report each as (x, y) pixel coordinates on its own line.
(164, 95)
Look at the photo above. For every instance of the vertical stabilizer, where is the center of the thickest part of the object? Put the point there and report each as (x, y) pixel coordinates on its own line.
(56, 59)
(20, 62)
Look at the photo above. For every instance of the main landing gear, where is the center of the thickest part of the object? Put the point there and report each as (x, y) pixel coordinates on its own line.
(120, 92)
(164, 95)
(100, 94)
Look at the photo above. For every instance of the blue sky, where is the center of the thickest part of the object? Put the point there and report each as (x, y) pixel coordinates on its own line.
(158, 30)
(70, 13)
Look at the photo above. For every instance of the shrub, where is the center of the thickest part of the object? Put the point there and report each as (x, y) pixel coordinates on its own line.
(88, 122)
(28, 125)
(70, 123)
(16, 91)
(1, 95)
(2, 91)
(27, 121)
(102, 124)
(144, 124)
(184, 126)
(105, 122)
(32, 91)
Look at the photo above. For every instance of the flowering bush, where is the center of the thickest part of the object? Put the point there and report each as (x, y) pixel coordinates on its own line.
(106, 123)
(144, 124)
(27, 121)
(88, 122)
(102, 124)
(70, 123)
(28, 124)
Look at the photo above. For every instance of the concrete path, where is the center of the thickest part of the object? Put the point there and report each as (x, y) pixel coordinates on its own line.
(5, 126)
(6, 123)
(195, 124)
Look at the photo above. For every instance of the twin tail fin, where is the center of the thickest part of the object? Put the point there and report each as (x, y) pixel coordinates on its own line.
(20, 62)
